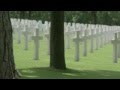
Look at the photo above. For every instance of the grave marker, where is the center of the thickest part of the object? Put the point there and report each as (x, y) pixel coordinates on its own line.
(97, 38)
(26, 33)
(115, 44)
(36, 39)
(85, 43)
(67, 35)
(92, 40)
(77, 41)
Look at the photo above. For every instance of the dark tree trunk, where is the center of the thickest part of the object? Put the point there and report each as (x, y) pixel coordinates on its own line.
(7, 65)
(29, 14)
(57, 56)
(22, 14)
(94, 14)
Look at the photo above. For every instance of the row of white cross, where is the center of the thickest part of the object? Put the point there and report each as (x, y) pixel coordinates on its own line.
(98, 34)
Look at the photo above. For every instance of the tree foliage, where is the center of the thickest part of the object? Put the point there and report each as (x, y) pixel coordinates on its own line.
(98, 17)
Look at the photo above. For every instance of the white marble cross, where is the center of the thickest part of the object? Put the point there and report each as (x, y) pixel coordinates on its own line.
(26, 34)
(36, 39)
(67, 35)
(19, 34)
(115, 48)
(92, 41)
(77, 40)
(97, 38)
(101, 37)
(85, 42)
(104, 36)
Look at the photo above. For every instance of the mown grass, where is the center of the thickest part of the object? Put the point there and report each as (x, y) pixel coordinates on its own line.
(97, 65)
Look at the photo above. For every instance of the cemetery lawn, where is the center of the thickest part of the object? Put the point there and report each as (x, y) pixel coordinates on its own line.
(97, 65)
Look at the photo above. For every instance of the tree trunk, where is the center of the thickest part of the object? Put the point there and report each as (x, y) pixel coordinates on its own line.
(57, 58)
(94, 14)
(22, 14)
(7, 65)
(29, 14)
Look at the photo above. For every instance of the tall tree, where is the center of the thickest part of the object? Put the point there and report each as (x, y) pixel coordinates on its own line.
(57, 55)
(7, 65)
(94, 14)
(29, 14)
(22, 14)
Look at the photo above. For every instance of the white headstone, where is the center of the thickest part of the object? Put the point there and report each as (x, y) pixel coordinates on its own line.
(101, 37)
(77, 41)
(19, 34)
(36, 39)
(97, 38)
(67, 35)
(115, 45)
(85, 43)
(105, 38)
(26, 33)
(92, 41)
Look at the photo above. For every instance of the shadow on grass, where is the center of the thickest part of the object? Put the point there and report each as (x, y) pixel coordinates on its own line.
(48, 73)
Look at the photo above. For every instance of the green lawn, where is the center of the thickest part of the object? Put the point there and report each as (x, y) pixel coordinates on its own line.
(97, 65)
